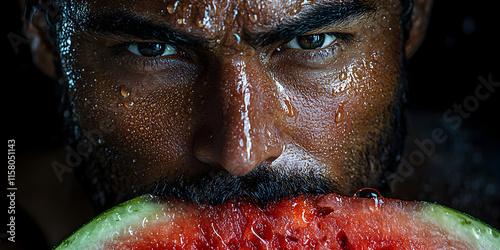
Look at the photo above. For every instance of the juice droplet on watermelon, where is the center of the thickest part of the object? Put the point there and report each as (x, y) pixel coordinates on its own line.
(368, 193)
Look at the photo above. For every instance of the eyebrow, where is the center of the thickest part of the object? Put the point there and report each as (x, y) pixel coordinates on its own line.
(326, 15)
(135, 27)
(132, 26)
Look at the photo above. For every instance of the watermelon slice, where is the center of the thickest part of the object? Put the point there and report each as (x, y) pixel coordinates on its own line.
(303, 222)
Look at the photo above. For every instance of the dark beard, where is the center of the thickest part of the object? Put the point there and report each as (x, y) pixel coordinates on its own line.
(261, 185)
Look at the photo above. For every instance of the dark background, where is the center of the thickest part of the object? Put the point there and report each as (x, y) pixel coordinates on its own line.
(464, 172)
(461, 45)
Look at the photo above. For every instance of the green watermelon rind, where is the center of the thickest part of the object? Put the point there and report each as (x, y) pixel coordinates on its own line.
(95, 233)
(146, 208)
(479, 234)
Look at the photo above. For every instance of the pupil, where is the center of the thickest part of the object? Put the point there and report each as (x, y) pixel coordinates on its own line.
(311, 41)
(151, 49)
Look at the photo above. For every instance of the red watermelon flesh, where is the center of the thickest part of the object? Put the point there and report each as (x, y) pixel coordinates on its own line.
(304, 222)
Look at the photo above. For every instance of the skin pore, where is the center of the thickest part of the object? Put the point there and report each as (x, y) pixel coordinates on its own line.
(212, 100)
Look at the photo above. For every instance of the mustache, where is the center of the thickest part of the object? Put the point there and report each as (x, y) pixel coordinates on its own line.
(261, 186)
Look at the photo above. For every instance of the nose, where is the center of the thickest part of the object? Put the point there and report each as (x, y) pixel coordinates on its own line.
(240, 132)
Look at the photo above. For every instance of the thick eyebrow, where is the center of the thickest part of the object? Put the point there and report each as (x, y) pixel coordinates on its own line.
(326, 15)
(134, 27)
(131, 26)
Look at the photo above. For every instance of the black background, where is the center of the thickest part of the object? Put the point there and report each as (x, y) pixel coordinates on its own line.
(461, 45)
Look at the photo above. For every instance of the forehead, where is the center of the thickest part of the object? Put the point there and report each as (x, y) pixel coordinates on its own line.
(205, 12)
(210, 17)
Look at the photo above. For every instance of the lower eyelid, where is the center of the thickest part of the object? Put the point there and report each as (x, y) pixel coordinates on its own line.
(315, 59)
(137, 62)
(321, 54)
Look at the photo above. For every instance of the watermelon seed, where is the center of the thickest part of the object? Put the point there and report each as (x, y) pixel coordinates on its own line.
(342, 240)
(324, 211)
(292, 238)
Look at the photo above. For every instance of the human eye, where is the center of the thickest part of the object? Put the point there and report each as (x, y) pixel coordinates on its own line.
(150, 49)
(311, 42)
(150, 55)
(315, 50)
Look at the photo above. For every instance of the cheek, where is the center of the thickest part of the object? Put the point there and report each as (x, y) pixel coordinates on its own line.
(151, 117)
(346, 110)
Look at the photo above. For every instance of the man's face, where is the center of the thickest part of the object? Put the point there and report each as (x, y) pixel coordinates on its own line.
(214, 99)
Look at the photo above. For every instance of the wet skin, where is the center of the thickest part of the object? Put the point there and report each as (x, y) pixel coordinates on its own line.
(178, 90)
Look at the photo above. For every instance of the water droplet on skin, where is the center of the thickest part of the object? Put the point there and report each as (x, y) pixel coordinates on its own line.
(171, 7)
(343, 76)
(199, 23)
(253, 17)
(212, 9)
(238, 38)
(235, 13)
(128, 104)
(368, 193)
(338, 113)
(124, 92)
(290, 110)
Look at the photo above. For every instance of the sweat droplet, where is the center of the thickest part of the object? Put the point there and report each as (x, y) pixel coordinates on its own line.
(171, 7)
(238, 38)
(128, 104)
(290, 109)
(253, 18)
(338, 113)
(124, 92)
(343, 76)
(199, 23)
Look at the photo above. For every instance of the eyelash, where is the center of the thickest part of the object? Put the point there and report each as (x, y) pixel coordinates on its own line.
(321, 53)
(145, 63)
(158, 63)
